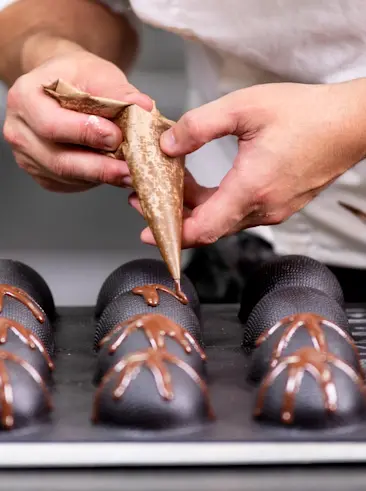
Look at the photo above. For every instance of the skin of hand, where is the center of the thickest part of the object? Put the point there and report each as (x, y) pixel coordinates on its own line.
(294, 140)
(57, 146)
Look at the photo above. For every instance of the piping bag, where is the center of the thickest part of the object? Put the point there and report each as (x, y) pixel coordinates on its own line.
(157, 179)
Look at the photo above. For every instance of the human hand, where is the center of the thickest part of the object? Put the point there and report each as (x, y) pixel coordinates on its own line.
(293, 141)
(57, 146)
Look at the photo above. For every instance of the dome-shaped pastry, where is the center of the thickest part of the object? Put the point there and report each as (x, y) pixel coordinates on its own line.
(310, 389)
(288, 271)
(129, 305)
(142, 272)
(283, 302)
(298, 331)
(145, 331)
(152, 389)
(20, 275)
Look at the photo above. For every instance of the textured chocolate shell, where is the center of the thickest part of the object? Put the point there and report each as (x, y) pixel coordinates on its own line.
(137, 340)
(129, 304)
(143, 407)
(288, 271)
(338, 343)
(13, 309)
(24, 401)
(288, 301)
(23, 276)
(311, 409)
(141, 272)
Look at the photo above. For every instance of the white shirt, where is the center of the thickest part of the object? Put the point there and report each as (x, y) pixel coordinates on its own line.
(233, 44)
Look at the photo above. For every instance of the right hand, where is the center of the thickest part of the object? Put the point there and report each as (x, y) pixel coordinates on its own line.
(51, 143)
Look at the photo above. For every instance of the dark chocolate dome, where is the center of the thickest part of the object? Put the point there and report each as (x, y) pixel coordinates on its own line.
(13, 309)
(336, 344)
(129, 304)
(287, 301)
(28, 400)
(138, 341)
(309, 408)
(138, 273)
(288, 271)
(18, 274)
(142, 407)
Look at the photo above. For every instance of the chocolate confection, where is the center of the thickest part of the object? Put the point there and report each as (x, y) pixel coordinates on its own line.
(130, 304)
(288, 271)
(157, 178)
(298, 331)
(143, 331)
(152, 389)
(311, 389)
(142, 272)
(23, 276)
(283, 302)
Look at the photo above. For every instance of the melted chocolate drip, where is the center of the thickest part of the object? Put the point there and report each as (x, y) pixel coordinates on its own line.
(23, 297)
(25, 335)
(155, 360)
(313, 324)
(317, 364)
(6, 390)
(151, 294)
(156, 328)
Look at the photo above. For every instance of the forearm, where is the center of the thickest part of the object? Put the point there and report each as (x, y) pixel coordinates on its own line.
(32, 31)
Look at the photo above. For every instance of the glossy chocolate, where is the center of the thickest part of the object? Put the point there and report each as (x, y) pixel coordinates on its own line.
(23, 297)
(317, 364)
(150, 293)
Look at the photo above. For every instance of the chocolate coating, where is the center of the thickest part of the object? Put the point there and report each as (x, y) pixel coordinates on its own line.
(289, 301)
(138, 273)
(288, 271)
(24, 397)
(23, 276)
(13, 309)
(143, 332)
(288, 338)
(128, 305)
(311, 389)
(152, 390)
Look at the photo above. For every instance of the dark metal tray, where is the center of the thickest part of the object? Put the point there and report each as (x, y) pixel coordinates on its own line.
(235, 438)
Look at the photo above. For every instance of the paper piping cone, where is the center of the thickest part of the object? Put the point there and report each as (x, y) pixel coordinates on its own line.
(158, 179)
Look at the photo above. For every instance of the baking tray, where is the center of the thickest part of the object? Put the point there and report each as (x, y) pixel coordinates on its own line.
(70, 439)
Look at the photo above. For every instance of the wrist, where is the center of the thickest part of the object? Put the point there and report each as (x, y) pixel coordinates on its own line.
(42, 46)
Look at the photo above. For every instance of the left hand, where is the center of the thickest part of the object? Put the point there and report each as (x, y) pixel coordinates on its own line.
(293, 141)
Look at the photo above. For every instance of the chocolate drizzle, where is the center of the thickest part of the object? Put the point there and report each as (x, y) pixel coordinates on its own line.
(156, 328)
(6, 390)
(317, 364)
(313, 324)
(23, 297)
(151, 295)
(25, 335)
(155, 360)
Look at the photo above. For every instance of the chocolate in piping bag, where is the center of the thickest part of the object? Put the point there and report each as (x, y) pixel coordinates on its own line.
(157, 179)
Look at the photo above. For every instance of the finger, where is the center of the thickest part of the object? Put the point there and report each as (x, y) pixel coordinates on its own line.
(68, 163)
(220, 214)
(201, 125)
(51, 122)
(60, 187)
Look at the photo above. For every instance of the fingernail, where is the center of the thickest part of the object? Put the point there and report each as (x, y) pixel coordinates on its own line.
(127, 182)
(110, 142)
(168, 140)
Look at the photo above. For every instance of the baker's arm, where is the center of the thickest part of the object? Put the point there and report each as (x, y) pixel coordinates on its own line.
(32, 31)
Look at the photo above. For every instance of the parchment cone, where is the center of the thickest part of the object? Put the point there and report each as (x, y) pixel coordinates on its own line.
(157, 179)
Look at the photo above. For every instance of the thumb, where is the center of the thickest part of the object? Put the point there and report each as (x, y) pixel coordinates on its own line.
(199, 126)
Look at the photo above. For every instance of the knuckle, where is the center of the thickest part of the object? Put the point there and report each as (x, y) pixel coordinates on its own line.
(46, 127)
(9, 134)
(60, 164)
(208, 237)
(277, 217)
(192, 126)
